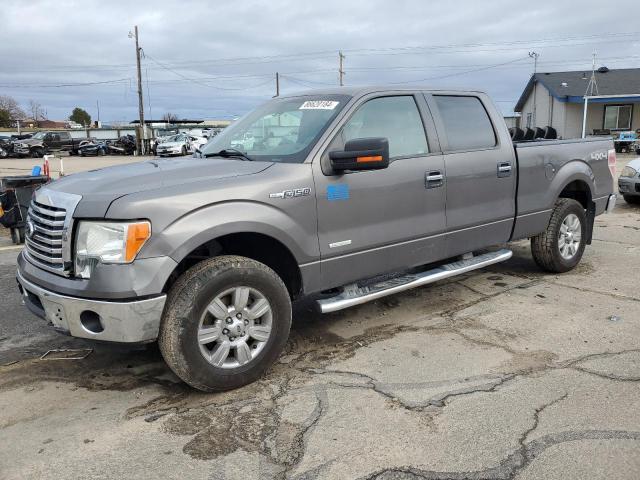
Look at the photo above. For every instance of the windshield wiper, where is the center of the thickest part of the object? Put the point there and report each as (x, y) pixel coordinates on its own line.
(229, 152)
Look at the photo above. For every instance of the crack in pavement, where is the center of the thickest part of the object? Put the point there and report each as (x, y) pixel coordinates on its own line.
(511, 466)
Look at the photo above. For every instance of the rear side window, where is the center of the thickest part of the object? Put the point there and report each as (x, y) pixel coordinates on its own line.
(466, 122)
(395, 118)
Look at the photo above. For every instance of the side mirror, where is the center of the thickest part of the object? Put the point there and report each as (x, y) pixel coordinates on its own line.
(361, 154)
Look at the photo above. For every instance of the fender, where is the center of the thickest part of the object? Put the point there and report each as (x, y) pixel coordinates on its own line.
(571, 171)
(534, 218)
(200, 226)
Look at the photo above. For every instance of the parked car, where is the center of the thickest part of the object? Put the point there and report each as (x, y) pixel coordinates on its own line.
(6, 146)
(197, 143)
(97, 148)
(206, 254)
(179, 144)
(42, 143)
(629, 182)
(125, 145)
(626, 142)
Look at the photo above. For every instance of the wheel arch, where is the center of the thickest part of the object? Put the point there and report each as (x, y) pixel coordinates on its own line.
(575, 181)
(274, 239)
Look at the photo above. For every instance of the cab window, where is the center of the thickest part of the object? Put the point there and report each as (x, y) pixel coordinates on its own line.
(466, 122)
(395, 118)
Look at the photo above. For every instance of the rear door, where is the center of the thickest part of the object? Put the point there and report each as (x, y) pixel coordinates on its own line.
(376, 221)
(480, 171)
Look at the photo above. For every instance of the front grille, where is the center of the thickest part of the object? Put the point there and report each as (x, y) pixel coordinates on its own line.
(44, 243)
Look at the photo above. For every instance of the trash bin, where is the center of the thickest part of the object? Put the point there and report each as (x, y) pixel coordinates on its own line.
(15, 196)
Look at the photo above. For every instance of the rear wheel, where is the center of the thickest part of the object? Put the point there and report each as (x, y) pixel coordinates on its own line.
(632, 199)
(226, 321)
(560, 247)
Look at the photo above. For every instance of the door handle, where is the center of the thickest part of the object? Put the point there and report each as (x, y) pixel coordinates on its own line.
(434, 179)
(504, 169)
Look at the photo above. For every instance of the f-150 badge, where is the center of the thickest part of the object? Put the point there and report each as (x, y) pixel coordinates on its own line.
(296, 192)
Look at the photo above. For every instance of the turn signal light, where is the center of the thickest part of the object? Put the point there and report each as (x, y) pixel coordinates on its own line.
(137, 235)
(373, 158)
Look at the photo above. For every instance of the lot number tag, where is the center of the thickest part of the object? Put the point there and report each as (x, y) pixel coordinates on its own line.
(319, 105)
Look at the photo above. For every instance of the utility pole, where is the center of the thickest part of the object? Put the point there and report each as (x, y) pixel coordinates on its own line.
(98, 107)
(277, 85)
(341, 68)
(535, 56)
(140, 136)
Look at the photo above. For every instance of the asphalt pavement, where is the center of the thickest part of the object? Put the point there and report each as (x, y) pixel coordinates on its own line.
(503, 373)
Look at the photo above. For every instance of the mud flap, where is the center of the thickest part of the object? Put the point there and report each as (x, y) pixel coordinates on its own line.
(591, 216)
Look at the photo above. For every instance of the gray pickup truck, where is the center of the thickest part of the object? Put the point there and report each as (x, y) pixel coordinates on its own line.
(42, 143)
(348, 194)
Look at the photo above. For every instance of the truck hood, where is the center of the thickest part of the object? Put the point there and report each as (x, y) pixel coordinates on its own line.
(29, 141)
(99, 188)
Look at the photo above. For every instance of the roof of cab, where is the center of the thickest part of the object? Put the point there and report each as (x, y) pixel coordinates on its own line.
(364, 90)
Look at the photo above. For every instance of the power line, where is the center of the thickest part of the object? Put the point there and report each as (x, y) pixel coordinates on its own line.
(198, 82)
(461, 73)
(504, 45)
(60, 85)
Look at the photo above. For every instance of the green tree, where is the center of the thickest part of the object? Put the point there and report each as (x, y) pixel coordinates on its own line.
(5, 118)
(80, 116)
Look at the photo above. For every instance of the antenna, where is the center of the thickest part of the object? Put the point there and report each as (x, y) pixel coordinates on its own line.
(535, 56)
(593, 84)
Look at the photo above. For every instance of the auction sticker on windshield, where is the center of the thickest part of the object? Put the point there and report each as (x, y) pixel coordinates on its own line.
(319, 105)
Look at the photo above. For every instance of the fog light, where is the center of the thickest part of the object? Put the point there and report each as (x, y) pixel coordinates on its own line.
(91, 321)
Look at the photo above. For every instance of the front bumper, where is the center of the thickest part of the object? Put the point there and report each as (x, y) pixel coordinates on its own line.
(21, 150)
(113, 321)
(171, 151)
(629, 185)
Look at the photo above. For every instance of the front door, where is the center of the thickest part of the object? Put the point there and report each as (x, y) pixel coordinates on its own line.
(376, 221)
(480, 173)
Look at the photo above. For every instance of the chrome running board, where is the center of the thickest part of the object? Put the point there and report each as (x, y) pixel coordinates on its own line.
(356, 295)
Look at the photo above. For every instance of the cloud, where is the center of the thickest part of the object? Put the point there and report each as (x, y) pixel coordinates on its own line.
(231, 50)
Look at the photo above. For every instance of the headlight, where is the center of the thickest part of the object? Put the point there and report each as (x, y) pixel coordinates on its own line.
(629, 172)
(108, 242)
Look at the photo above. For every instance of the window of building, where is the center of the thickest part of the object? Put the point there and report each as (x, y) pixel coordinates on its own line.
(395, 118)
(529, 119)
(617, 117)
(466, 123)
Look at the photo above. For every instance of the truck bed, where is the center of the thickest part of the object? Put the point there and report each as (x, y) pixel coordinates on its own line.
(541, 174)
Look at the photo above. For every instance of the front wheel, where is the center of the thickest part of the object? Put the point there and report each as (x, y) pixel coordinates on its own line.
(560, 247)
(226, 320)
(632, 199)
(184, 151)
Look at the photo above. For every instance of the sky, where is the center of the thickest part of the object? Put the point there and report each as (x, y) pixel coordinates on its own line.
(217, 60)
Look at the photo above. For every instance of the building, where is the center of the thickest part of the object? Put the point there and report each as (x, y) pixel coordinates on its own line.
(512, 120)
(557, 99)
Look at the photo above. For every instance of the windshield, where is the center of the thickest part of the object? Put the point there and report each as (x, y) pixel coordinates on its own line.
(175, 138)
(282, 130)
(39, 135)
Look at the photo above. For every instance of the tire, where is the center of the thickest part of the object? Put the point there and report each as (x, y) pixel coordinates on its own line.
(198, 292)
(632, 199)
(37, 153)
(184, 151)
(546, 247)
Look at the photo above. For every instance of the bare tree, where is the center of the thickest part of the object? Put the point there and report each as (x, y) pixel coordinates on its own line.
(9, 105)
(169, 117)
(36, 111)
